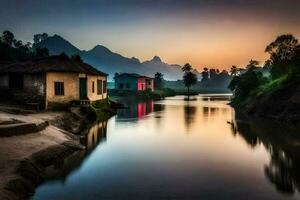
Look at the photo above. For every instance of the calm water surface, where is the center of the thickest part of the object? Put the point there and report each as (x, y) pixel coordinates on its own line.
(176, 149)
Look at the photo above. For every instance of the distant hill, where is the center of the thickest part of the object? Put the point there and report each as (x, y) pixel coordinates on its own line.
(110, 62)
(57, 45)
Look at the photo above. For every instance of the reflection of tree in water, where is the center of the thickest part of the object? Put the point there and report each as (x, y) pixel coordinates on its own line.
(189, 115)
(281, 143)
(278, 172)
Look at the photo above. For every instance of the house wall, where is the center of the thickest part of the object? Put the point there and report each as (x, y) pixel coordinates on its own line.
(71, 87)
(93, 96)
(35, 83)
(150, 84)
(33, 90)
(132, 81)
(4, 80)
(141, 84)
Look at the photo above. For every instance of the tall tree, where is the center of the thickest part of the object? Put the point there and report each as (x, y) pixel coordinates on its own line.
(213, 74)
(283, 47)
(187, 68)
(205, 75)
(284, 53)
(253, 64)
(8, 37)
(234, 70)
(18, 43)
(189, 78)
(158, 80)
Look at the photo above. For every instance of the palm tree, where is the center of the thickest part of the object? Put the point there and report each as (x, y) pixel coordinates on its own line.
(189, 78)
(187, 68)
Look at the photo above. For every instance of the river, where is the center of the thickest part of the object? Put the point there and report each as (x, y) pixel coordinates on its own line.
(178, 149)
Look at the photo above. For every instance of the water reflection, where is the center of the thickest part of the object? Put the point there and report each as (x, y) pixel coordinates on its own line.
(283, 144)
(189, 115)
(185, 150)
(95, 135)
(137, 110)
(62, 168)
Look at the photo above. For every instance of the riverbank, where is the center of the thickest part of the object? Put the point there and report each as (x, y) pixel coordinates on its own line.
(279, 100)
(159, 94)
(31, 158)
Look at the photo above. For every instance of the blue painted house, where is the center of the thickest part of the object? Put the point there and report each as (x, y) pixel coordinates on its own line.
(133, 82)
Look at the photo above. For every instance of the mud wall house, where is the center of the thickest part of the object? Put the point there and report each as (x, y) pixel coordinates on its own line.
(52, 80)
(133, 82)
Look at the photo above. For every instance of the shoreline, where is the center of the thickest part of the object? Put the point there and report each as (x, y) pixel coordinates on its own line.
(44, 154)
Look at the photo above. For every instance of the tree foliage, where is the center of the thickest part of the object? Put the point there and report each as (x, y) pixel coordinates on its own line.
(189, 78)
(158, 80)
(12, 49)
(284, 55)
(283, 64)
(244, 84)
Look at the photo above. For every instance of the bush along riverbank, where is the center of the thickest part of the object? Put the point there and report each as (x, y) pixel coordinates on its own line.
(276, 96)
(39, 153)
(157, 94)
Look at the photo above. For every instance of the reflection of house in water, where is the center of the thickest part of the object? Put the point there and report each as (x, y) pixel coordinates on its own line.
(210, 111)
(95, 135)
(138, 110)
(63, 167)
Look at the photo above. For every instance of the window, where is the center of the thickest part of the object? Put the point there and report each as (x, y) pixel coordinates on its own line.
(93, 87)
(99, 87)
(121, 85)
(149, 83)
(127, 85)
(104, 87)
(59, 88)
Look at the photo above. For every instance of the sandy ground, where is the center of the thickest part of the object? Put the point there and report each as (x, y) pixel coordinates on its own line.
(17, 148)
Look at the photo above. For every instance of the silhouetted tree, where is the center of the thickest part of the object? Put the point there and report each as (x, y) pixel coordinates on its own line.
(41, 52)
(8, 37)
(283, 47)
(39, 37)
(77, 58)
(247, 82)
(234, 70)
(18, 43)
(158, 80)
(116, 75)
(44, 36)
(205, 75)
(186, 68)
(213, 74)
(252, 64)
(284, 53)
(189, 78)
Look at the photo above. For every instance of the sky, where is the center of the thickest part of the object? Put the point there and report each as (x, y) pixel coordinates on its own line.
(205, 33)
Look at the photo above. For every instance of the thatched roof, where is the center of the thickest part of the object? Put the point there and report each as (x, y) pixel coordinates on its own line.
(59, 63)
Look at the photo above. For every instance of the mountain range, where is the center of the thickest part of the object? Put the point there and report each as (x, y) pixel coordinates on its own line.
(110, 62)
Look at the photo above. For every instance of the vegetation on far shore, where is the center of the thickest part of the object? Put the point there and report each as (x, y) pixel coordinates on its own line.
(252, 89)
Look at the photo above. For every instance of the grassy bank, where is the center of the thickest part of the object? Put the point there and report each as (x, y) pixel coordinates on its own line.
(277, 99)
